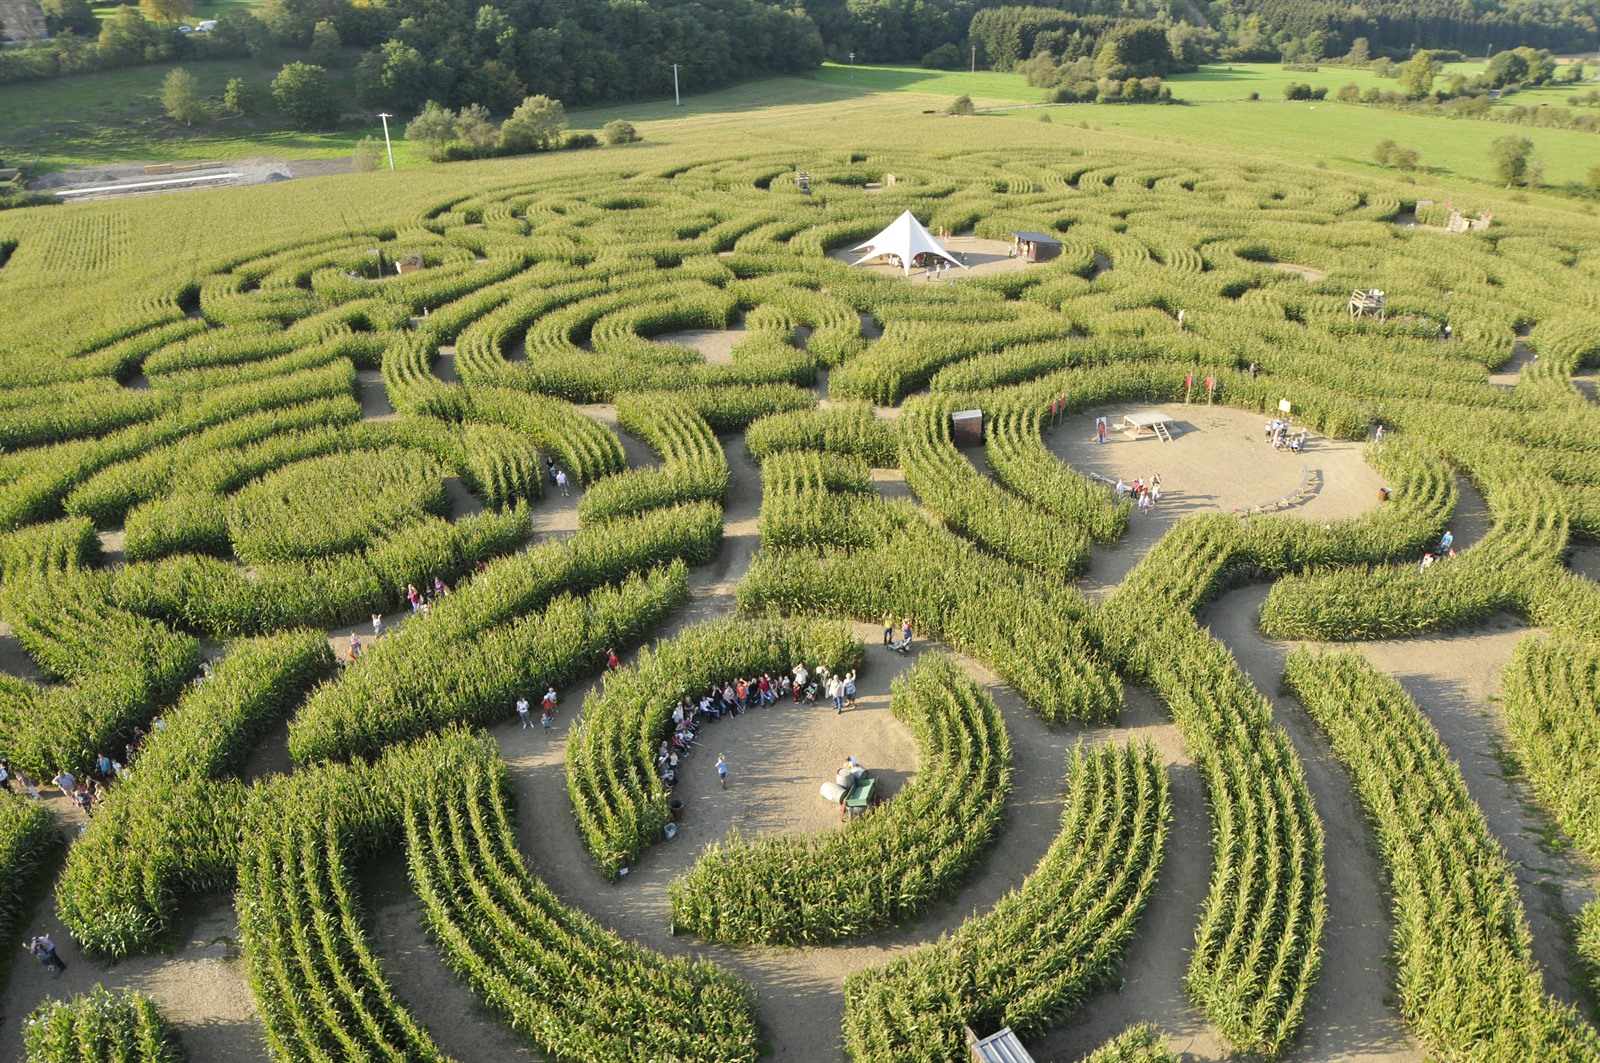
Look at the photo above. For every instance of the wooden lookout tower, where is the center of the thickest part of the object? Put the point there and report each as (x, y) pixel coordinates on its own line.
(1367, 302)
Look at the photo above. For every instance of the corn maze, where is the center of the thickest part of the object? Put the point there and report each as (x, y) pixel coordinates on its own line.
(220, 458)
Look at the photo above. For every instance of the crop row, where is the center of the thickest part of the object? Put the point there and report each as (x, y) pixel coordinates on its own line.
(168, 829)
(1258, 945)
(583, 447)
(1386, 601)
(884, 868)
(1551, 690)
(121, 668)
(810, 471)
(1027, 627)
(101, 1027)
(948, 485)
(40, 550)
(334, 504)
(1037, 954)
(319, 988)
(693, 469)
(1466, 978)
(617, 795)
(35, 481)
(29, 839)
(477, 682)
(1137, 1044)
(222, 599)
(214, 459)
(843, 428)
(577, 990)
(420, 675)
(1016, 451)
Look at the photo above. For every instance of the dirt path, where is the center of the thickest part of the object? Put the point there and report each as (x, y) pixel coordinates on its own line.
(779, 757)
(1349, 1016)
(375, 405)
(1150, 985)
(1218, 461)
(1521, 355)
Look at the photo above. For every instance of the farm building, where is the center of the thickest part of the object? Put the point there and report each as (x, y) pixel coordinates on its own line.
(1036, 247)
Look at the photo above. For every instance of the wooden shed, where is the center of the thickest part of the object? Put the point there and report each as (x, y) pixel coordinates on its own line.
(1036, 247)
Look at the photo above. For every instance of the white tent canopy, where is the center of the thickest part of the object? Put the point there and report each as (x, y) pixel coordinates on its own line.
(906, 239)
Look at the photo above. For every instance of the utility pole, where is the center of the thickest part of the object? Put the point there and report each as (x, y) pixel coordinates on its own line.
(852, 68)
(676, 99)
(390, 147)
(974, 59)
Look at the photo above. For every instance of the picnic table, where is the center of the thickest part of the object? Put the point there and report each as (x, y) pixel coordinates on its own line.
(860, 797)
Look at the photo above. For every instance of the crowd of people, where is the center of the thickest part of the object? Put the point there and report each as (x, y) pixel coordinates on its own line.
(1145, 493)
(1280, 432)
(733, 697)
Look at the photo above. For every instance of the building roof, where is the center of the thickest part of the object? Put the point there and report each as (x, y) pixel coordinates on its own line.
(1002, 1047)
(1035, 238)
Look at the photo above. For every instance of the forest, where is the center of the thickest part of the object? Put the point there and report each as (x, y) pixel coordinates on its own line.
(461, 52)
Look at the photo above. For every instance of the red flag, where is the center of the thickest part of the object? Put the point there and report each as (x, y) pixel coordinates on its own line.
(1211, 383)
(1188, 380)
(1055, 407)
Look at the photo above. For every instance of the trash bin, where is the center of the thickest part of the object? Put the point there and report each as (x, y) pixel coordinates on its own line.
(670, 831)
(675, 806)
(1383, 494)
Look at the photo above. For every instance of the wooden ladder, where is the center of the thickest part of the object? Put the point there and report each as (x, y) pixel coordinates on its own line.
(1162, 433)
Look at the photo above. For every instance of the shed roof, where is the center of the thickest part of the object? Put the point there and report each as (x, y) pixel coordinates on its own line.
(1035, 238)
(1002, 1047)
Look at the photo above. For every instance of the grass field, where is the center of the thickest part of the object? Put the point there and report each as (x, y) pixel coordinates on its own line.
(117, 116)
(1337, 133)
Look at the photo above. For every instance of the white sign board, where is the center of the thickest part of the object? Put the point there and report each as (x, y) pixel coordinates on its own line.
(1283, 405)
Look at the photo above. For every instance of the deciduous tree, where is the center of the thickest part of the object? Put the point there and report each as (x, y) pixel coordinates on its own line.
(434, 128)
(474, 129)
(305, 95)
(182, 99)
(535, 125)
(326, 47)
(1509, 157)
(238, 97)
(1416, 77)
(619, 131)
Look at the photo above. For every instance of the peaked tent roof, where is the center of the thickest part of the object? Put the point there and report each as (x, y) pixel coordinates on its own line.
(905, 237)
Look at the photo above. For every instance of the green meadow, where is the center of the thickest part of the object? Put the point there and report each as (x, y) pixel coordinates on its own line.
(117, 117)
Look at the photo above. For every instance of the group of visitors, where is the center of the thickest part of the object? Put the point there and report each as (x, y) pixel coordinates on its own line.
(1445, 548)
(44, 950)
(558, 476)
(418, 600)
(903, 643)
(547, 711)
(734, 697)
(1283, 438)
(1146, 493)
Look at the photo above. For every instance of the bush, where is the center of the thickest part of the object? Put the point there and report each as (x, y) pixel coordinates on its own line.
(960, 105)
(579, 141)
(945, 57)
(618, 131)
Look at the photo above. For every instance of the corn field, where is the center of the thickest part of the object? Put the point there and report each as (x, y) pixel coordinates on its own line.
(231, 444)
